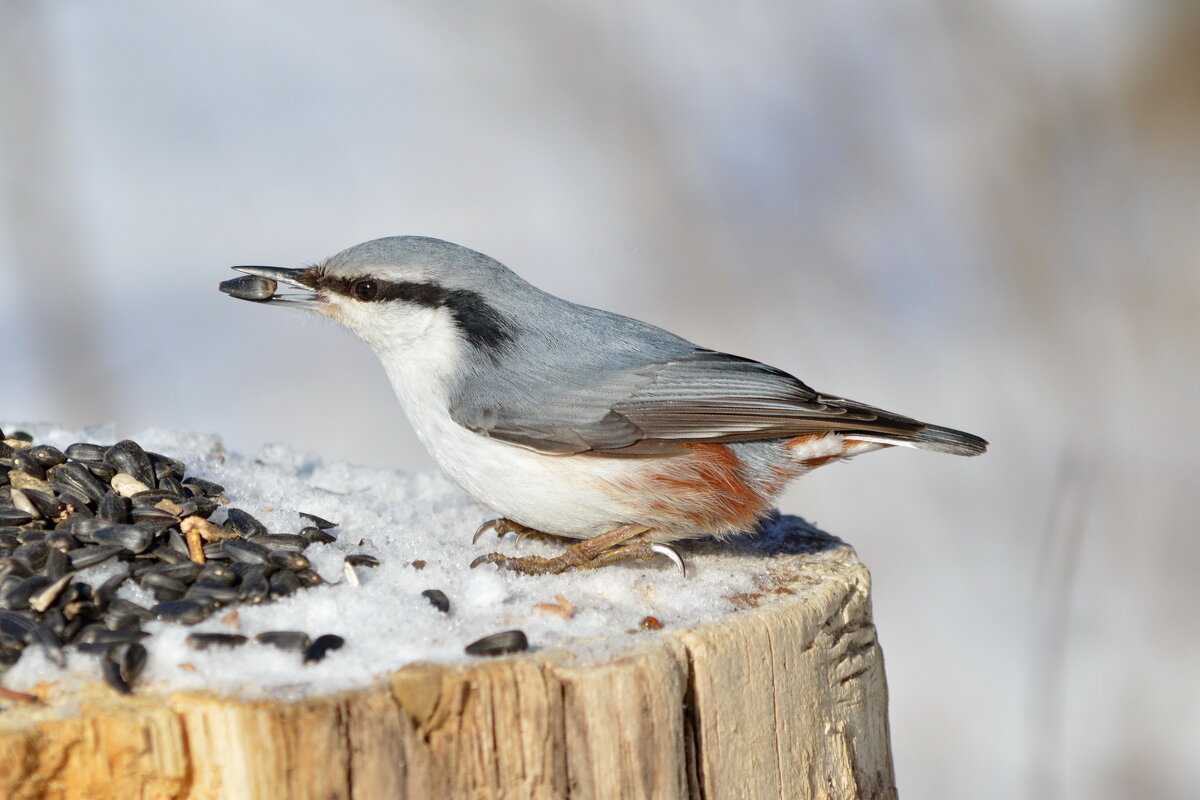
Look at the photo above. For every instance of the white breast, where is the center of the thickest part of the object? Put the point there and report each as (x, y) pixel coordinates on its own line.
(556, 494)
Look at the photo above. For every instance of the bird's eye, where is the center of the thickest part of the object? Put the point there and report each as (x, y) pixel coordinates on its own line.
(366, 289)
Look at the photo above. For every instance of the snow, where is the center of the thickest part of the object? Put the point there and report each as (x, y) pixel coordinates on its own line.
(386, 622)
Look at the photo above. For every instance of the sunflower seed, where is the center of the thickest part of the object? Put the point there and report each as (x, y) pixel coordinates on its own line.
(498, 644)
(203, 641)
(133, 538)
(438, 598)
(189, 612)
(114, 508)
(85, 451)
(255, 587)
(205, 591)
(206, 488)
(319, 522)
(74, 475)
(322, 645)
(14, 516)
(288, 560)
(128, 456)
(47, 456)
(244, 523)
(283, 583)
(249, 287)
(281, 541)
(285, 640)
(245, 551)
(17, 598)
(43, 599)
(317, 536)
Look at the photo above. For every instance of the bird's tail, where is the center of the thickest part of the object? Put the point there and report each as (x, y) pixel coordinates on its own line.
(928, 437)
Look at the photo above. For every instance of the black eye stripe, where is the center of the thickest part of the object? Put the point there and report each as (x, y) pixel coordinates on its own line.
(480, 322)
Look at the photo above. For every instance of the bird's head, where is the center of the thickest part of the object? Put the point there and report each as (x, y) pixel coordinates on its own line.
(404, 292)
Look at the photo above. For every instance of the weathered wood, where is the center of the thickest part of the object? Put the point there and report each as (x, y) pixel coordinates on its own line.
(784, 698)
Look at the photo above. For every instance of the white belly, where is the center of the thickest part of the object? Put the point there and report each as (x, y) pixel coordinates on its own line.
(556, 494)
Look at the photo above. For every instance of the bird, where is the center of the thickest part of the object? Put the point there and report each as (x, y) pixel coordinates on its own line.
(574, 423)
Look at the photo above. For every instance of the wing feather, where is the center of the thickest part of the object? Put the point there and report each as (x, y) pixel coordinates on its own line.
(702, 396)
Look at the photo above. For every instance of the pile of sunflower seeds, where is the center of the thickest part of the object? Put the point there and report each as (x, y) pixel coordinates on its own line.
(62, 512)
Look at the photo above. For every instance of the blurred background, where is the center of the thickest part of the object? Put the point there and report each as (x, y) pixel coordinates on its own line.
(985, 215)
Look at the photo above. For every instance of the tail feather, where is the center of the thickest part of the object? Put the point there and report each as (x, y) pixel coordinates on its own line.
(930, 437)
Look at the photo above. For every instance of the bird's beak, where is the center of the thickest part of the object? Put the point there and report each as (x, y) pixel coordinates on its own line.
(285, 277)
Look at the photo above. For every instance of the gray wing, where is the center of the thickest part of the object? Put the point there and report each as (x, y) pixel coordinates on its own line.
(701, 396)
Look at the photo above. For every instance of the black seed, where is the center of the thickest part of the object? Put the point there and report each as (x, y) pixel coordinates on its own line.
(186, 571)
(498, 644)
(62, 540)
(75, 475)
(283, 583)
(46, 597)
(46, 504)
(84, 451)
(188, 508)
(189, 612)
(77, 500)
(23, 462)
(56, 563)
(255, 587)
(245, 551)
(17, 598)
(153, 516)
(21, 436)
(216, 592)
(322, 645)
(14, 516)
(249, 287)
(47, 456)
(164, 587)
(217, 573)
(133, 538)
(29, 536)
(128, 456)
(288, 560)
(285, 640)
(152, 497)
(309, 577)
(281, 541)
(215, 551)
(123, 665)
(206, 488)
(167, 468)
(33, 553)
(244, 524)
(103, 472)
(203, 641)
(100, 635)
(317, 536)
(319, 522)
(362, 560)
(438, 598)
(122, 607)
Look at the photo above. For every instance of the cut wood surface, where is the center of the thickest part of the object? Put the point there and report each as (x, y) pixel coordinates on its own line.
(783, 698)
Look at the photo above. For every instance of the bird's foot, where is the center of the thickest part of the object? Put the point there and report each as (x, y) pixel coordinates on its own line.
(502, 527)
(619, 544)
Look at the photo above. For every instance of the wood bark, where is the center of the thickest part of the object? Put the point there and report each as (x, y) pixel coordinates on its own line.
(783, 698)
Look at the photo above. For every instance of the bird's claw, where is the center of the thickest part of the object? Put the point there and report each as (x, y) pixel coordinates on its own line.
(591, 553)
(501, 526)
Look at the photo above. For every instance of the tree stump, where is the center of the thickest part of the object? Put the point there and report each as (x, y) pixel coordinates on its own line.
(783, 698)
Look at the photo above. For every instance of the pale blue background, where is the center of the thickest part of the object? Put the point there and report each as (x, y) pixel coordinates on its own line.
(983, 214)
